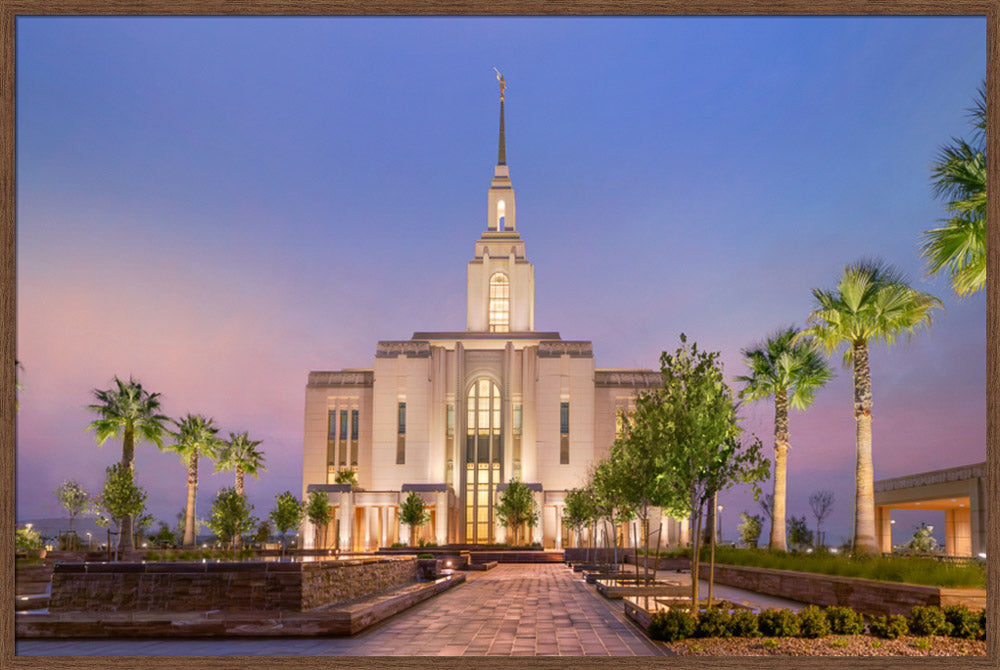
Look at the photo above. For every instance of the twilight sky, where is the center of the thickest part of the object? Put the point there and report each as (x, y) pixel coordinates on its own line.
(218, 206)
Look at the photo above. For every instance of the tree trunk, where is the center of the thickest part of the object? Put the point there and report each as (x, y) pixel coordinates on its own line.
(238, 539)
(125, 539)
(189, 517)
(711, 551)
(695, 555)
(864, 503)
(778, 531)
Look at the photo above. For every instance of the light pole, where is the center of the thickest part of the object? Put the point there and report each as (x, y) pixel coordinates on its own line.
(718, 522)
(89, 543)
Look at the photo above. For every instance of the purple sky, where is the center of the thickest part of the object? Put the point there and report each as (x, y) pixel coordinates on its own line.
(218, 206)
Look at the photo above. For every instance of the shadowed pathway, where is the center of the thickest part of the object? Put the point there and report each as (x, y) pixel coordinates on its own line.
(512, 610)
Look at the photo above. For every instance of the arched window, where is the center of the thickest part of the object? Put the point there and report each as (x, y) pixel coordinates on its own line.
(501, 214)
(499, 303)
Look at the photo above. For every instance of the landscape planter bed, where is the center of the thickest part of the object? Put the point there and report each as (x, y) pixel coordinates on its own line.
(868, 596)
(619, 588)
(640, 609)
(255, 586)
(597, 567)
(591, 576)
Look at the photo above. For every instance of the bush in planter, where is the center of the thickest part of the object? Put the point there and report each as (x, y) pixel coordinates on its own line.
(844, 621)
(743, 623)
(964, 622)
(778, 623)
(889, 626)
(927, 621)
(813, 622)
(713, 622)
(674, 624)
(425, 555)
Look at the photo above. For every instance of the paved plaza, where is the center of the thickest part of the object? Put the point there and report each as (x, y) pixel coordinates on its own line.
(512, 610)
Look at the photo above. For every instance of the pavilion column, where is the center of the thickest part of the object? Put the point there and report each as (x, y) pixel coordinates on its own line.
(883, 528)
(559, 517)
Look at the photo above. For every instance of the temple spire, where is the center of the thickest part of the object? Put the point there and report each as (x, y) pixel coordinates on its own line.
(502, 148)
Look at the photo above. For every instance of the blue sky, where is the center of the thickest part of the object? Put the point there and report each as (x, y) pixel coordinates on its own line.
(218, 206)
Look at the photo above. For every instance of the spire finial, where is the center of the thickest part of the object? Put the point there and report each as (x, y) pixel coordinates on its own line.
(502, 149)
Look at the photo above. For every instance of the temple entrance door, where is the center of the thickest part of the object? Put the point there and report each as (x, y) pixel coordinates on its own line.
(483, 459)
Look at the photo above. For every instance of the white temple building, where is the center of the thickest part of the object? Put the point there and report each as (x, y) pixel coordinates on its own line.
(454, 415)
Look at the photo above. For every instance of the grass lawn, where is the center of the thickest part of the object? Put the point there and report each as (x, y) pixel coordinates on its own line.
(907, 569)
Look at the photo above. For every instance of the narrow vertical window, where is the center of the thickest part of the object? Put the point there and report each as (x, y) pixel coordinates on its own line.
(401, 435)
(499, 312)
(563, 433)
(343, 437)
(331, 438)
(354, 437)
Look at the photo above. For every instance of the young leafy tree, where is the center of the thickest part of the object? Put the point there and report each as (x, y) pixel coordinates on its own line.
(231, 517)
(799, 534)
(195, 436)
(127, 411)
(749, 528)
(287, 515)
(579, 511)
(611, 498)
(74, 499)
(319, 515)
(789, 370)
(959, 177)
(821, 503)
(413, 513)
(696, 420)
(240, 454)
(516, 507)
(121, 498)
(872, 301)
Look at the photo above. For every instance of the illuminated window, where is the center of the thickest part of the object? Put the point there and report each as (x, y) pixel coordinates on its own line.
(499, 303)
(354, 438)
(501, 214)
(483, 458)
(331, 437)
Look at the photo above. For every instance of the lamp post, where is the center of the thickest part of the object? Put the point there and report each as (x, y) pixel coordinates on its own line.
(89, 544)
(718, 522)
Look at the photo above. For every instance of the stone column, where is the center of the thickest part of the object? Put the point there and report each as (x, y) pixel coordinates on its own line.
(883, 528)
(538, 532)
(346, 522)
(559, 535)
(441, 517)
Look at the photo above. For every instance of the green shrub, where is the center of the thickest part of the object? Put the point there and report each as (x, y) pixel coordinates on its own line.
(425, 555)
(713, 622)
(922, 643)
(778, 623)
(397, 545)
(152, 556)
(964, 622)
(844, 621)
(889, 626)
(927, 621)
(982, 624)
(813, 622)
(675, 624)
(743, 623)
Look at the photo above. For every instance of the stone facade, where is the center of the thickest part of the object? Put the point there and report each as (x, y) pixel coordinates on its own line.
(203, 587)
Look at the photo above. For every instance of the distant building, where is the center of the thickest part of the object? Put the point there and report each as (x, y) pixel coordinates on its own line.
(455, 415)
(960, 492)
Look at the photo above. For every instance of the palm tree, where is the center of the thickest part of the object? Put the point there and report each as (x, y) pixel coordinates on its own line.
(127, 410)
(789, 370)
(959, 177)
(240, 454)
(872, 301)
(195, 435)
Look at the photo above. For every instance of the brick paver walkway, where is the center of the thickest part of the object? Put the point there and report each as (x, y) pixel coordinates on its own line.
(512, 610)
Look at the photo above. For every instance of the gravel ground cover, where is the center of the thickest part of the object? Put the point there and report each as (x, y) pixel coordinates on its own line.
(833, 645)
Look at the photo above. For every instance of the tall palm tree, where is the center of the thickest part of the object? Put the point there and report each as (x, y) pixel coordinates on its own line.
(195, 435)
(959, 177)
(790, 370)
(872, 301)
(127, 410)
(240, 454)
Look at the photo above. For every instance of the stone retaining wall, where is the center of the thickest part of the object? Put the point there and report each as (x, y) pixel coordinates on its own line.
(229, 586)
(863, 595)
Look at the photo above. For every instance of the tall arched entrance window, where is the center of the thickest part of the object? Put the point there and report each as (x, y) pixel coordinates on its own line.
(499, 303)
(483, 459)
